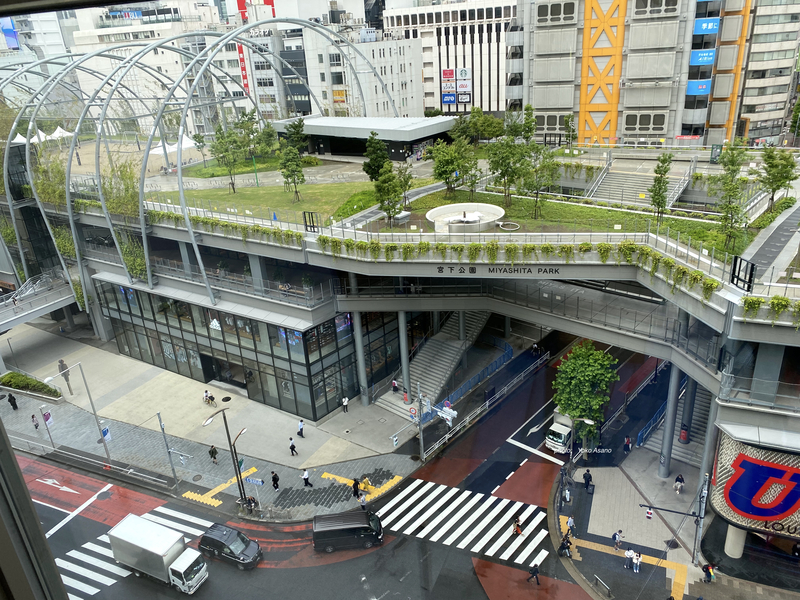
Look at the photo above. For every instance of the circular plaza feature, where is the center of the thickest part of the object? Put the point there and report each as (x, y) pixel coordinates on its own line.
(466, 217)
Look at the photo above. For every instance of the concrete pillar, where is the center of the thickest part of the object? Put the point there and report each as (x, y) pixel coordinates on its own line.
(734, 541)
(436, 320)
(69, 319)
(669, 422)
(688, 408)
(187, 257)
(402, 331)
(257, 272)
(769, 361)
(358, 335)
(710, 443)
(507, 327)
(462, 325)
(100, 323)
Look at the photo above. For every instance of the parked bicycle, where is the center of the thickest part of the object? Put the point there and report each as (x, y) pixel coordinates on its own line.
(209, 399)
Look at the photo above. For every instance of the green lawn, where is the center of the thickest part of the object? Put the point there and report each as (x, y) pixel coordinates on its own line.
(560, 217)
(263, 164)
(322, 198)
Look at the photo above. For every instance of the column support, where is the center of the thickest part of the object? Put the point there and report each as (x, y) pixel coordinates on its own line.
(462, 325)
(403, 335)
(436, 320)
(669, 422)
(358, 335)
(734, 541)
(506, 327)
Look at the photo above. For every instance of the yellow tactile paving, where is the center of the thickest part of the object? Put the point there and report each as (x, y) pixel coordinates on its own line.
(208, 497)
(372, 491)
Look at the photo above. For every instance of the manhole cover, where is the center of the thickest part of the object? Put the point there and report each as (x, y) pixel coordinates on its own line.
(414, 457)
(672, 544)
(103, 495)
(197, 478)
(381, 420)
(360, 422)
(347, 431)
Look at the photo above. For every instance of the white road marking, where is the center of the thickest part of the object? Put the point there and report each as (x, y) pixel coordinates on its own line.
(503, 522)
(77, 511)
(84, 572)
(100, 564)
(173, 525)
(480, 527)
(81, 587)
(532, 546)
(99, 549)
(535, 451)
(50, 506)
(400, 496)
(179, 515)
(445, 528)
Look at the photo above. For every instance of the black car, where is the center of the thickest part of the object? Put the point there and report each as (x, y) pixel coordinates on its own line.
(231, 545)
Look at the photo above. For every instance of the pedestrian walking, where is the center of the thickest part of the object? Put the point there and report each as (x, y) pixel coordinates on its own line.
(345, 401)
(535, 349)
(35, 422)
(617, 539)
(306, 483)
(534, 571)
(516, 528)
(300, 426)
(394, 386)
(64, 370)
(626, 447)
(563, 549)
(362, 500)
(587, 479)
(796, 551)
(637, 560)
(678, 485)
(629, 554)
(292, 448)
(709, 573)
(275, 480)
(13, 402)
(571, 526)
(355, 488)
(213, 452)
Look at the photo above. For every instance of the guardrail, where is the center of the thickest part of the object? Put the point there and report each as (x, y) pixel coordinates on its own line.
(483, 408)
(654, 423)
(600, 176)
(678, 188)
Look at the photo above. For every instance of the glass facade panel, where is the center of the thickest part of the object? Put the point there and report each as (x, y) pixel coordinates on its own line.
(295, 339)
(214, 325)
(277, 338)
(312, 343)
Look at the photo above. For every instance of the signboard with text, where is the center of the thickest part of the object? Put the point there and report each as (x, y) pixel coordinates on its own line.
(243, 68)
(698, 88)
(702, 57)
(464, 86)
(448, 73)
(448, 98)
(448, 86)
(464, 73)
(706, 26)
(465, 98)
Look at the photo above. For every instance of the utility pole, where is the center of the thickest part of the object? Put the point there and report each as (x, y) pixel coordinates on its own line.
(421, 443)
(169, 452)
(699, 530)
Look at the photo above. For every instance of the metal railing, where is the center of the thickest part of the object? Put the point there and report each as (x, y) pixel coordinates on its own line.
(485, 406)
(678, 188)
(600, 176)
(658, 418)
(753, 391)
(218, 278)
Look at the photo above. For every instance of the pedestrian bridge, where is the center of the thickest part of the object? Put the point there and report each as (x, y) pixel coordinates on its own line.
(37, 297)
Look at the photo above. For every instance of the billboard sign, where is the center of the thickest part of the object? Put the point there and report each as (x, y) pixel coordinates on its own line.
(702, 57)
(7, 26)
(448, 73)
(243, 69)
(698, 88)
(706, 26)
(464, 73)
(464, 86)
(465, 98)
(448, 86)
(448, 98)
(756, 488)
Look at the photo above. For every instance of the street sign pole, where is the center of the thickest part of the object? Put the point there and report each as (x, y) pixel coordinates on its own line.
(169, 454)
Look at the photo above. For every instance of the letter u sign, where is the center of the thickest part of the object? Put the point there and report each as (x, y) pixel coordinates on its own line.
(763, 490)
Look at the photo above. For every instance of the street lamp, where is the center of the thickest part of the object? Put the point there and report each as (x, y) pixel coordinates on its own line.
(91, 403)
(588, 422)
(232, 448)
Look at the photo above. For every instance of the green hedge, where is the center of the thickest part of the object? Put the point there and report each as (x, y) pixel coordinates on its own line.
(21, 382)
(768, 217)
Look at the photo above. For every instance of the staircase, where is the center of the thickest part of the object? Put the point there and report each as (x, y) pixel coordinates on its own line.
(437, 359)
(624, 185)
(691, 453)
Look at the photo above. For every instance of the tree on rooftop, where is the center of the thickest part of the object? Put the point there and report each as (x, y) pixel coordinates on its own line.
(377, 156)
(228, 151)
(448, 161)
(569, 130)
(200, 143)
(295, 133)
(582, 385)
(543, 173)
(292, 170)
(528, 124)
(404, 178)
(659, 189)
(776, 171)
(388, 191)
(729, 187)
(508, 162)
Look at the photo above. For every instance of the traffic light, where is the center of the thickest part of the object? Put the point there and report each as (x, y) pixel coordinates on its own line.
(394, 440)
(241, 462)
(649, 513)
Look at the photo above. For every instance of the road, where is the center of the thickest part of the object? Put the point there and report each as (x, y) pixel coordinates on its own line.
(448, 528)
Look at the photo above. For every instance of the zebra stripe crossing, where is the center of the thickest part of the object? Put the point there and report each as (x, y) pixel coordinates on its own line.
(93, 565)
(467, 520)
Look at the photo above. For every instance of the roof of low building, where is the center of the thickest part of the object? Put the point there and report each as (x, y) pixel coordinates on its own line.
(399, 129)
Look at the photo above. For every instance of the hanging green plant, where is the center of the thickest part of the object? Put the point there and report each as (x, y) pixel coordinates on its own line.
(709, 287)
(65, 245)
(547, 250)
(669, 265)
(407, 251)
(8, 233)
(298, 238)
(679, 276)
(76, 285)
(584, 247)
(655, 261)
(643, 255)
(777, 306)
(474, 251)
(389, 250)
(796, 315)
(336, 247)
(350, 246)
(590, 169)
(323, 241)
(374, 249)
(511, 250)
(604, 250)
(567, 252)
(695, 277)
(362, 247)
(529, 250)
(697, 180)
(423, 248)
(133, 255)
(492, 250)
(751, 304)
(626, 249)
(441, 249)
(458, 249)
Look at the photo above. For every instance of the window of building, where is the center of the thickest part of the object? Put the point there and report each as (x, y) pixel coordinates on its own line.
(446, 16)
(480, 14)
(699, 72)
(764, 73)
(777, 19)
(654, 8)
(777, 2)
(322, 77)
(775, 55)
(233, 64)
(260, 66)
(645, 122)
(766, 91)
(454, 16)
(555, 12)
(237, 94)
(785, 36)
(337, 77)
(413, 19)
(324, 95)
(704, 42)
(262, 82)
(758, 108)
(709, 9)
(406, 21)
(335, 60)
(506, 12)
(471, 14)
(695, 102)
(430, 18)
(230, 47)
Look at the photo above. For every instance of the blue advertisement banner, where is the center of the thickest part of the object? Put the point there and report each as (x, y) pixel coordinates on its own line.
(702, 57)
(698, 88)
(448, 98)
(706, 26)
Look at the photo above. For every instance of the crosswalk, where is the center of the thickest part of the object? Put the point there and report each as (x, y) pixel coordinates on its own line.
(479, 523)
(85, 571)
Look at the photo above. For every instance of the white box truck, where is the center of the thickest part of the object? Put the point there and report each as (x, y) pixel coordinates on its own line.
(157, 551)
(559, 436)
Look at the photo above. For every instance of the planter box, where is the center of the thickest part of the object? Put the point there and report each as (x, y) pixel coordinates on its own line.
(32, 395)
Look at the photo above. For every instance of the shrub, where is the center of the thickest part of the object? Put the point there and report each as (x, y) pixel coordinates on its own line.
(679, 276)
(603, 204)
(474, 251)
(407, 251)
(374, 249)
(626, 249)
(310, 161)
(567, 252)
(350, 246)
(697, 215)
(669, 264)
(655, 261)
(679, 213)
(21, 382)
(695, 277)
(547, 250)
(389, 250)
(584, 247)
(362, 247)
(492, 250)
(511, 250)
(458, 249)
(709, 287)
(604, 249)
(336, 246)
(529, 250)
(323, 241)
(441, 249)
(777, 306)
(423, 247)
(751, 304)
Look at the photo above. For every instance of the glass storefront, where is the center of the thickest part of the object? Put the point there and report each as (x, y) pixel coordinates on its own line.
(301, 372)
